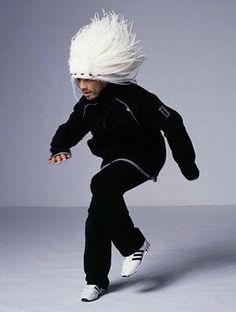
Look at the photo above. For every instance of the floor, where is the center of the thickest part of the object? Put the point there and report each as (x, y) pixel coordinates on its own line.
(191, 265)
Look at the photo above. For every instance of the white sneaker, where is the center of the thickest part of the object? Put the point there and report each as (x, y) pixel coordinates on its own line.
(132, 263)
(91, 293)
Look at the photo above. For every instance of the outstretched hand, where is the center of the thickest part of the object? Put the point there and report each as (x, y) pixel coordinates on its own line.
(58, 159)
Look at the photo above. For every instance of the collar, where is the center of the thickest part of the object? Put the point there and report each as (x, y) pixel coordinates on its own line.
(110, 91)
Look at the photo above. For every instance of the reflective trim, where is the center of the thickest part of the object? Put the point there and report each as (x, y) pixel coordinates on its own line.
(134, 164)
(129, 110)
(87, 106)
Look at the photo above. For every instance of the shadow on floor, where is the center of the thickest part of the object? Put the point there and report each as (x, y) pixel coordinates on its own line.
(161, 276)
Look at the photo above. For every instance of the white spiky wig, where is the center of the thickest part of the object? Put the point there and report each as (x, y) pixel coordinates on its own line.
(106, 49)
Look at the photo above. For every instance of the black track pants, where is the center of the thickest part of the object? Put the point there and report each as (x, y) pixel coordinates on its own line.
(109, 221)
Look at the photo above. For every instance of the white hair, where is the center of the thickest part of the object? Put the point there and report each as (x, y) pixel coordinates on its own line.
(106, 49)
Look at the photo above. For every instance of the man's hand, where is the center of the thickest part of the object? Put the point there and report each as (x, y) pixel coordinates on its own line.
(58, 159)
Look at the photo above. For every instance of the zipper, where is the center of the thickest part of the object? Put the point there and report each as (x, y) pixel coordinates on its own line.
(86, 108)
(129, 110)
(135, 165)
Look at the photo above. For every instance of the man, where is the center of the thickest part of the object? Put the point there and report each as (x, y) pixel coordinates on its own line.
(126, 123)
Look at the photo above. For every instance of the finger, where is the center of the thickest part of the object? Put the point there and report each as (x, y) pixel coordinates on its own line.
(63, 157)
(52, 160)
(58, 159)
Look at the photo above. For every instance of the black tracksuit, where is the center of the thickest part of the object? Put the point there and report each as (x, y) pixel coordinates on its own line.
(126, 122)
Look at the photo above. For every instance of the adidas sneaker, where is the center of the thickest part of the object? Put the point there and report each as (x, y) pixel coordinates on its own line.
(132, 263)
(91, 293)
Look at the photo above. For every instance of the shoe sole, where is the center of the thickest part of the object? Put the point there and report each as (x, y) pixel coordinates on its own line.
(144, 255)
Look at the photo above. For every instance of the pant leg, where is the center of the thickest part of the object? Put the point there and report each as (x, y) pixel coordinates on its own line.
(97, 254)
(109, 220)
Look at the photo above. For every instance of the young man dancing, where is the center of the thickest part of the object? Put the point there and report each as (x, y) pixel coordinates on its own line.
(125, 121)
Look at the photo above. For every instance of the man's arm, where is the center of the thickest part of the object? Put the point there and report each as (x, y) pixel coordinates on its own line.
(68, 135)
(161, 117)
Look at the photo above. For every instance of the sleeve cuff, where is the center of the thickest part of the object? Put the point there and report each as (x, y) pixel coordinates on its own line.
(191, 173)
(59, 153)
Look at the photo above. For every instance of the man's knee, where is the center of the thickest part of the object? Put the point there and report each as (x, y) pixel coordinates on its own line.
(100, 184)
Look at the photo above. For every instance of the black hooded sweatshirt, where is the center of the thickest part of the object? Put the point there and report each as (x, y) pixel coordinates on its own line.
(127, 124)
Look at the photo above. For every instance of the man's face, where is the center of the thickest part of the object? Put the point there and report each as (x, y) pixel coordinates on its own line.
(90, 88)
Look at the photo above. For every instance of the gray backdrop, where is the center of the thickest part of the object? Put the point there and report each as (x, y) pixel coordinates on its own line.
(191, 67)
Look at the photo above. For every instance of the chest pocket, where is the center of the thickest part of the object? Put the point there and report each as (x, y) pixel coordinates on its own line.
(119, 117)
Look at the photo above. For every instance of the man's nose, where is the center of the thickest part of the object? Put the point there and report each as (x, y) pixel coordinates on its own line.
(82, 84)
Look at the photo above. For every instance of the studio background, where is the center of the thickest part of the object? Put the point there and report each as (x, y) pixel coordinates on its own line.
(190, 66)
